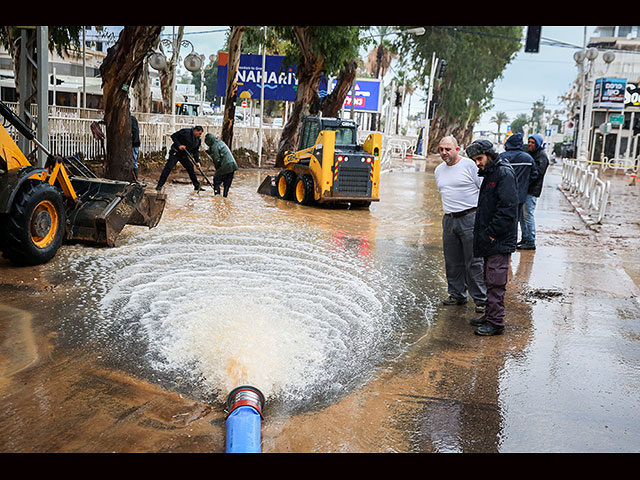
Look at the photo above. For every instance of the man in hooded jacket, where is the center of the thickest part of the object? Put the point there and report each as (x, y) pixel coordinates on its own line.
(535, 145)
(495, 230)
(523, 165)
(223, 161)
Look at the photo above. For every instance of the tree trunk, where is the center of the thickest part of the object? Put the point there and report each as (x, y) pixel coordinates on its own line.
(308, 79)
(335, 100)
(235, 49)
(142, 90)
(119, 71)
(168, 74)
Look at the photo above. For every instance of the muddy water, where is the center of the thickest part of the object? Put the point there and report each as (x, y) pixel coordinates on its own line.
(303, 303)
(334, 314)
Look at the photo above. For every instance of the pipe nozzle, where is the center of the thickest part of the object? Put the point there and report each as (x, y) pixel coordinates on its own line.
(245, 395)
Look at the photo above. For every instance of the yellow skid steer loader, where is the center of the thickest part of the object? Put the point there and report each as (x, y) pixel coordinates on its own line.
(40, 208)
(329, 166)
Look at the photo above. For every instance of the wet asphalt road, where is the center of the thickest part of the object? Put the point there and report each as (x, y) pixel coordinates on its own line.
(563, 377)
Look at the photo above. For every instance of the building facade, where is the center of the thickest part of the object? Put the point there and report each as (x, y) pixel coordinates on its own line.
(612, 99)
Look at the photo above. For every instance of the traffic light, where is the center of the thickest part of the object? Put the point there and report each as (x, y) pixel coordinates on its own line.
(432, 109)
(398, 102)
(442, 65)
(532, 44)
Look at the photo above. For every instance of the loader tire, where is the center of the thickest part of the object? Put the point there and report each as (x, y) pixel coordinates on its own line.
(304, 190)
(286, 184)
(35, 226)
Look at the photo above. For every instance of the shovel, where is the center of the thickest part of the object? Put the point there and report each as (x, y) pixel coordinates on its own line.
(190, 157)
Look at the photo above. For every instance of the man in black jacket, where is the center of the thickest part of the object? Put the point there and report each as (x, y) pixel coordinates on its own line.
(527, 221)
(186, 140)
(135, 145)
(523, 165)
(495, 230)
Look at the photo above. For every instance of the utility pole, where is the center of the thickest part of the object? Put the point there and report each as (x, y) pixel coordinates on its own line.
(434, 63)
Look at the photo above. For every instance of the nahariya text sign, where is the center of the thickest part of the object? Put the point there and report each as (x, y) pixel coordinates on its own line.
(280, 83)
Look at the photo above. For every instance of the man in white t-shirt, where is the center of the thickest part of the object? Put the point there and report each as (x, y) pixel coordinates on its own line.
(459, 185)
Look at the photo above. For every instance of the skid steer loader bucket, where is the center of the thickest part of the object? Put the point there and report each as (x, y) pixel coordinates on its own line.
(268, 186)
(106, 206)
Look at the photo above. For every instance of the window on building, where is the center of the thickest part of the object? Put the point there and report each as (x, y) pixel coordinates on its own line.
(624, 31)
(607, 31)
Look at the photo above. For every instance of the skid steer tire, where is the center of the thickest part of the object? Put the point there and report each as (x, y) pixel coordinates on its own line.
(286, 184)
(34, 229)
(304, 190)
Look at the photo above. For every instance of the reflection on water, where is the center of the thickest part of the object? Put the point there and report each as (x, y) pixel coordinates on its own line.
(303, 303)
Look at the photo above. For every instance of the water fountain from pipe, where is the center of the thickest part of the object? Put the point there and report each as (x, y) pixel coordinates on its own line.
(244, 420)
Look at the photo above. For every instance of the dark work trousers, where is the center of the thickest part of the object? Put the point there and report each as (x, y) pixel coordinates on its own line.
(464, 271)
(225, 180)
(174, 158)
(496, 274)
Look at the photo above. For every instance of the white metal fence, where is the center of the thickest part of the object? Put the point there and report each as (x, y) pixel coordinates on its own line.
(70, 134)
(70, 131)
(582, 183)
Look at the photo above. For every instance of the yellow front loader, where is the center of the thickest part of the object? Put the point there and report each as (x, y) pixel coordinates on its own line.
(329, 166)
(40, 208)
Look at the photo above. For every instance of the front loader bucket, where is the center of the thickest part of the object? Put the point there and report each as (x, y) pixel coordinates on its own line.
(268, 186)
(149, 212)
(105, 206)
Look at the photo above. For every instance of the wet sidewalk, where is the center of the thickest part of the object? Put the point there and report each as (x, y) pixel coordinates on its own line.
(575, 385)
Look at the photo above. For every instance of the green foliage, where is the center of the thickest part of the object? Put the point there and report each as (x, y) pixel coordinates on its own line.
(61, 37)
(517, 125)
(335, 44)
(476, 57)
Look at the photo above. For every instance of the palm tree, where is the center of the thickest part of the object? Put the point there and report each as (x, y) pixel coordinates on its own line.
(499, 118)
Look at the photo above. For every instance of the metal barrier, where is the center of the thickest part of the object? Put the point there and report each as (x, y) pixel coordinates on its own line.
(581, 183)
(627, 165)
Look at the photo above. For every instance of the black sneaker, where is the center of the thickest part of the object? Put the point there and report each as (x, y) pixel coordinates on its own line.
(454, 301)
(476, 322)
(199, 189)
(526, 246)
(488, 329)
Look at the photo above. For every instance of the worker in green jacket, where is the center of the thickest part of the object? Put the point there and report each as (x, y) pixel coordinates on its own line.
(223, 161)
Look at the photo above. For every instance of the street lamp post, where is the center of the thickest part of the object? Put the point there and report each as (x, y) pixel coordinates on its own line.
(580, 57)
(192, 62)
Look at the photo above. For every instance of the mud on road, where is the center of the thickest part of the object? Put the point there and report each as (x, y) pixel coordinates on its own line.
(563, 377)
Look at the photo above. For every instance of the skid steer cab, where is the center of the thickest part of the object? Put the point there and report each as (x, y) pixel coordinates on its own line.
(40, 208)
(329, 166)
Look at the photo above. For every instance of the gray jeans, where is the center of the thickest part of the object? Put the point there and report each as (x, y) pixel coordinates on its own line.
(496, 275)
(464, 271)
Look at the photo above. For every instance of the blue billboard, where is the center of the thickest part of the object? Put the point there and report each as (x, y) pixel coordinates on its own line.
(280, 83)
(609, 93)
(367, 97)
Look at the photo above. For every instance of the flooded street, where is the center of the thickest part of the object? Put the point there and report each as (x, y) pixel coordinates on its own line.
(336, 316)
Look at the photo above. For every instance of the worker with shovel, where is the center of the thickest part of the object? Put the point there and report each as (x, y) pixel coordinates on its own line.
(223, 161)
(186, 143)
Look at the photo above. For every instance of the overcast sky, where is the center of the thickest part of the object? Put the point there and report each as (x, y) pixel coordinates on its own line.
(530, 77)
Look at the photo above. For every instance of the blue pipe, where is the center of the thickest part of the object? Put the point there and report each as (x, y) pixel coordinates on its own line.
(244, 418)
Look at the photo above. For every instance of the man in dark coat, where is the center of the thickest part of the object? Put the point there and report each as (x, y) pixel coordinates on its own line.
(223, 161)
(495, 230)
(135, 145)
(527, 221)
(524, 166)
(186, 140)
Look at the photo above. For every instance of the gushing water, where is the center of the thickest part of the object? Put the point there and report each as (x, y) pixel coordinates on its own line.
(281, 310)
